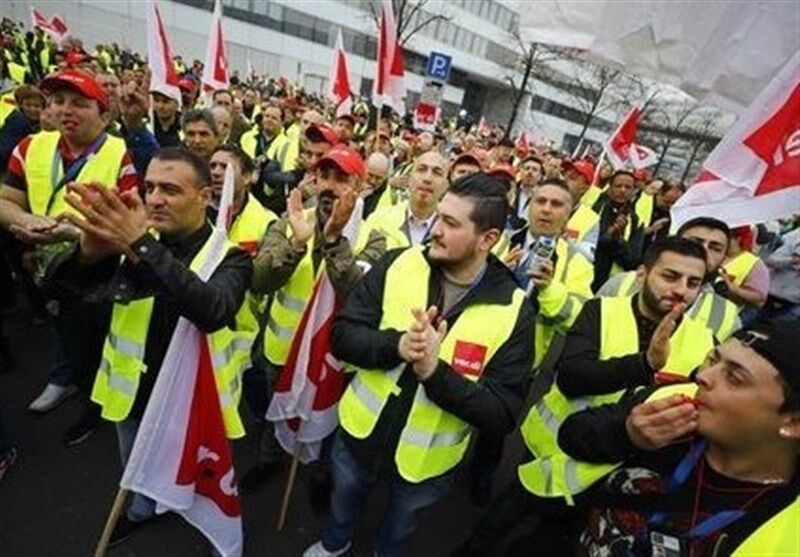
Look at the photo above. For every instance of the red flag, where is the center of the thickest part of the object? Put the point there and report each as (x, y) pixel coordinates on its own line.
(215, 70)
(164, 78)
(522, 145)
(388, 87)
(621, 147)
(753, 174)
(56, 28)
(340, 91)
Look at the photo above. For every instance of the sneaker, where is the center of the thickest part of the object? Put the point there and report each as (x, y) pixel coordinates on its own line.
(83, 428)
(257, 475)
(7, 461)
(52, 396)
(124, 529)
(318, 550)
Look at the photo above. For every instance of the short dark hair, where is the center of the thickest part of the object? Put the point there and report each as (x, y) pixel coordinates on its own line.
(706, 222)
(556, 182)
(533, 158)
(245, 161)
(490, 204)
(181, 154)
(621, 172)
(674, 244)
(219, 92)
(200, 115)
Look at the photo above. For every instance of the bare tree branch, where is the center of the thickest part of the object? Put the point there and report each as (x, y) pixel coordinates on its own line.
(421, 26)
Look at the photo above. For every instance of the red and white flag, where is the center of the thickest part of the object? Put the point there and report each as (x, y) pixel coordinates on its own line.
(164, 78)
(389, 85)
(56, 27)
(215, 69)
(341, 92)
(753, 174)
(523, 145)
(311, 382)
(484, 127)
(621, 147)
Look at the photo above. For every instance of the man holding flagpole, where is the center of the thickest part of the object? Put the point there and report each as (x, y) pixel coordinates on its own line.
(144, 258)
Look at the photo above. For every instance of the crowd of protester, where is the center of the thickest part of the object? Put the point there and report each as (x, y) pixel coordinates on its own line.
(495, 288)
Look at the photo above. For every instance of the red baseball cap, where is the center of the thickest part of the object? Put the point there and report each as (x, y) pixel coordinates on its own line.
(346, 158)
(78, 81)
(503, 171)
(187, 85)
(327, 133)
(468, 157)
(582, 167)
(640, 174)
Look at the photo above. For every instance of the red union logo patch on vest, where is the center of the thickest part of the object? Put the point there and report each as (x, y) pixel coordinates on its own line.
(571, 234)
(468, 358)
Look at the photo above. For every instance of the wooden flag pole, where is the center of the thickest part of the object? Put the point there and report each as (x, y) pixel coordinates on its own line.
(287, 493)
(111, 522)
(599, 166)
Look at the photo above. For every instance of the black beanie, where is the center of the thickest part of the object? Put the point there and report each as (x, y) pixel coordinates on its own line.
(778, 342)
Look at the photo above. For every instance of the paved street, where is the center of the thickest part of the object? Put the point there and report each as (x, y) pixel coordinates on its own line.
(54, 502)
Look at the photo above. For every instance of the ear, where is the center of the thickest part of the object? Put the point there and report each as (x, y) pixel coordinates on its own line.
(790, 428)
(640, 272)
(488, 240)
(205, 195)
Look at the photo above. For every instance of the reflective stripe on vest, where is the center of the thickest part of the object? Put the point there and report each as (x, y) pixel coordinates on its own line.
(117, 380)
(690, 343)
(433, 440)
(288, 304)
(621, 284)
(740, 266)
(103, 167)
(720, 315)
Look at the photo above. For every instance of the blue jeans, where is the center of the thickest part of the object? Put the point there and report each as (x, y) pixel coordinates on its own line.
(141, 508)
(61, 372)
(352, 483)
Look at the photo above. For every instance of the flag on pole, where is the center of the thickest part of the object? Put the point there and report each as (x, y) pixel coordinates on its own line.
(56, 27)
(215, 70)
(340, 92)
(621, 147)
(311, 382)
(753, 174)
(181, 457)
(389, 86)
(522, 144)
(164, 78)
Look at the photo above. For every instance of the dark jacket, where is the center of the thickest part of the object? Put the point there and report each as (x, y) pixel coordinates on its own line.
(627, 253)
(491, 404)
(581, 372)
(16, 127)
(163, 273)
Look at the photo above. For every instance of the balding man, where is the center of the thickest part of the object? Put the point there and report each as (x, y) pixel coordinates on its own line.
(377, 194)
(409, 223)
(224, 120)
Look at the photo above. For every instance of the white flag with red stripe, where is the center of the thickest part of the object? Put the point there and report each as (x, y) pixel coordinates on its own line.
(164, 78)
(621, 147)
(215, 70)
(56, 27)
(753, 174)
(311, 382)
(341, 92)
(389, 85)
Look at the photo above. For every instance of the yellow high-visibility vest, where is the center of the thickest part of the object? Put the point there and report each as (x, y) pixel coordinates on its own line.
(740, 266)
(780, 535)
(279, 150)
(389, 222)
(433, 441)
(590, 196)
(644, 208)
(288, 305)
(561, 302)
(555, 474)
(43, 171)
(583, 221)
(122, 364)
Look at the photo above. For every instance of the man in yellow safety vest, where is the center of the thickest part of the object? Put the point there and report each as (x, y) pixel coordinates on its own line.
(143, 258)
(424, 378)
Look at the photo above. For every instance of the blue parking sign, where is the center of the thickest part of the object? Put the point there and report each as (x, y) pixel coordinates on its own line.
(439, 66)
